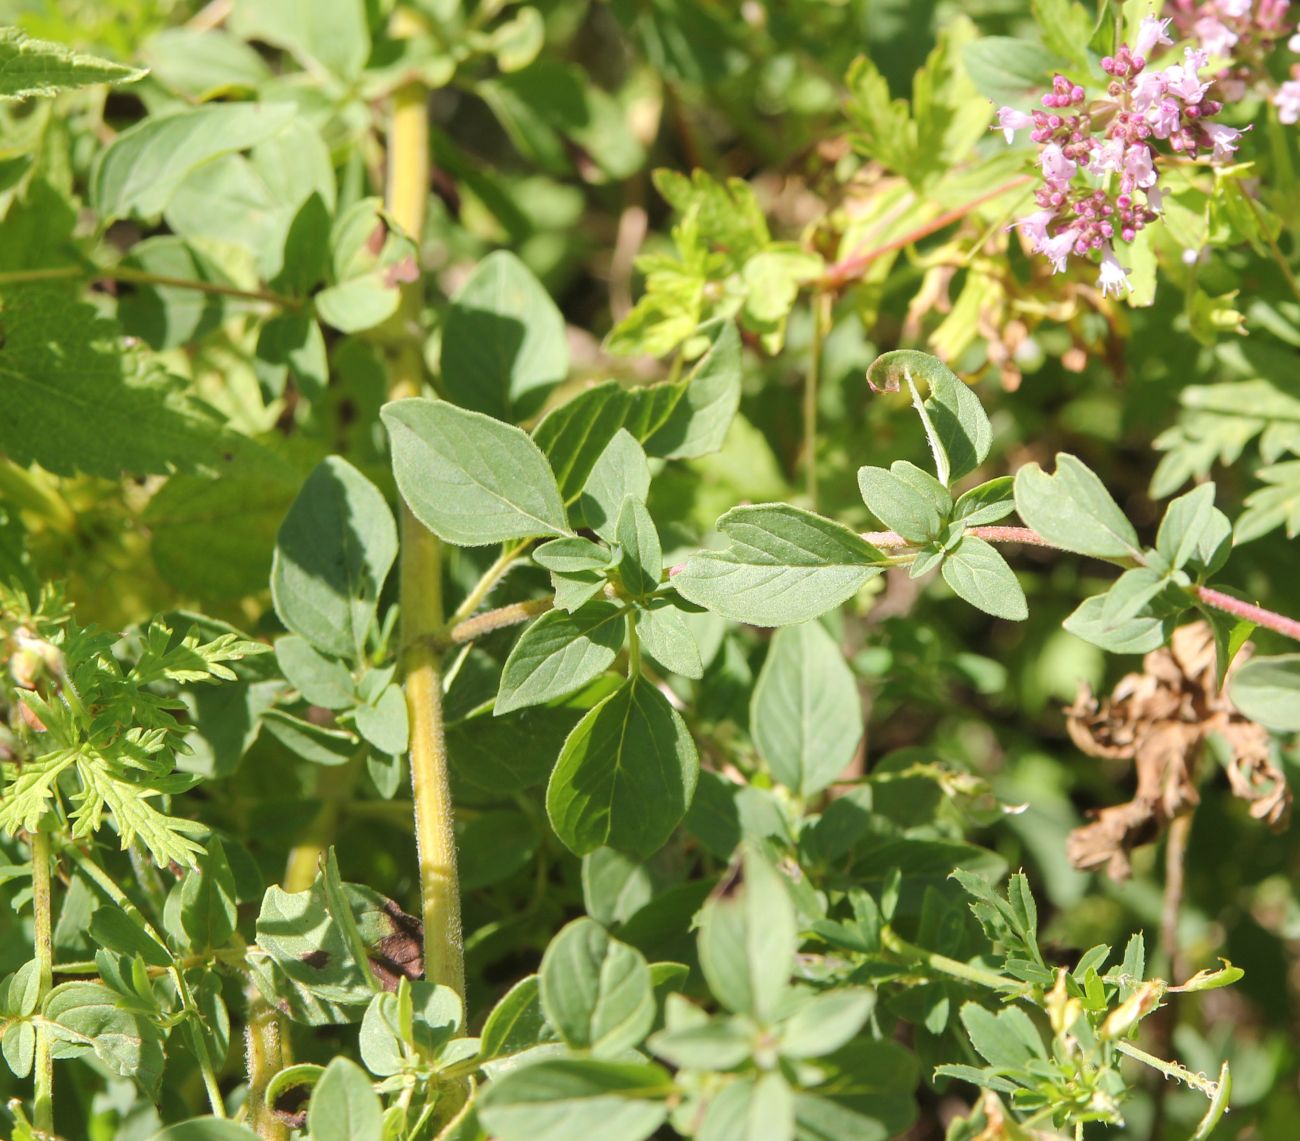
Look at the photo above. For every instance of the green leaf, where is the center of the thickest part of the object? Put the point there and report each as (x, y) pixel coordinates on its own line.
(574, 435)
(331, 33)
(986, 503)
(752, 1107)
(596, 991)
(86, 1017)
(722, 1044)
(140, 170)
(470, 479)
(710, 398)
(18, 1047)
(570, 555)
(558, 1099)
(825, 1022)
(344, 1105)
(805, 715)
(369, 262)
(322, 681)
(955, 422)
(784, 565)
(1007, 1039)
(209, 900)
(332, 555)
(503, 344)
(621, 472)
(1066, 26)
(125, 933)
(74, 400)
(166, 317)
(1135, 616)
(748, 939)
(1010, 71)
(560, 653)
(1194, 532)
(37, 67)
(980, 575)
(667, 638)
(1267, 690)
(383, 721)
(640, 563)
(1073, 510)
(897, 505)
(626, 774)
(311, 742)
(616, 886)
(517, 1022)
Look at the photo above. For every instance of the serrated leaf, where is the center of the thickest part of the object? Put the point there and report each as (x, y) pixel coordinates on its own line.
(783, 566)
(38, 67)
(979, 574)
(332, 555)
(73, 399)
(560, 653)
(503, 343)
(625, 776)
(1073, 510)
(470, 479)
(805, 715)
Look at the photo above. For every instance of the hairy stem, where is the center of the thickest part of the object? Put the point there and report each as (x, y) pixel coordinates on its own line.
(1170, 1069)
(494, 574)
(423, 625)
(43, 914)
(499, 619)
(265, 1058)
(139, 277)
(1216, 599)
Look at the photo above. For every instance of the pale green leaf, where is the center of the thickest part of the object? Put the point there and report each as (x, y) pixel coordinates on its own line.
(560, 653)
(37, 67)
(1073, 510)
(979, 574)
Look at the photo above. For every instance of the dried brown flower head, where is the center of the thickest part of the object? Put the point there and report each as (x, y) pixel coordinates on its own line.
(1161, 720)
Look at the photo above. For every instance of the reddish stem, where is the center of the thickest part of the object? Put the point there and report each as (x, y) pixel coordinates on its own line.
(1268, 619)
(849, 269)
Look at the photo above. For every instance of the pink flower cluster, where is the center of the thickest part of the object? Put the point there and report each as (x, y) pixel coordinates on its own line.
(1099, 159)
(1244, 33)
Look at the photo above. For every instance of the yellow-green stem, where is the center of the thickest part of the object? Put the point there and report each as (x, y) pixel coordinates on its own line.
(423, 625)
(265, 1059)
(43, 912)
(333, 786)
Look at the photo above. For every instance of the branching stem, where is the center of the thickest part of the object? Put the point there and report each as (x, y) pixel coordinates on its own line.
(1216, 599)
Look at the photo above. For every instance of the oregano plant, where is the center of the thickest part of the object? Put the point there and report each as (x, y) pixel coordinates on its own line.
(648, 570)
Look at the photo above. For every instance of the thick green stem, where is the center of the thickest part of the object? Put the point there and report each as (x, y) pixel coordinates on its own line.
(43, 912)
(423, 624)
(265, 1058)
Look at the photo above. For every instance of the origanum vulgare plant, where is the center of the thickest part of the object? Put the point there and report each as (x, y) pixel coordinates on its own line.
(597, 571)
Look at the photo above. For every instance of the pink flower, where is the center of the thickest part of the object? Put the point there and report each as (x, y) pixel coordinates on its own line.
(1138, 166)
(1164, 118)
(1057, 249)
(1113, 275)
(1216, 38)
(1151, 32)
(1235, 9)
(1155, 198)
(1224, 139)
(1057, 169)
(1149, 87)
(1106, 157)
(1181, 80)
(1287, 101)
(1034, 227)
(1010, 121)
